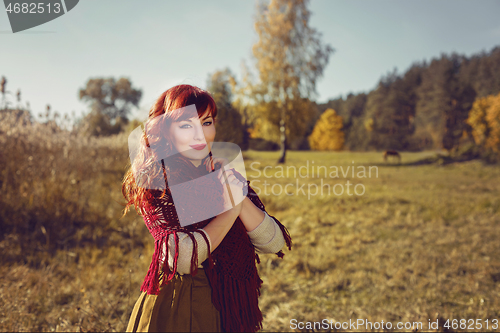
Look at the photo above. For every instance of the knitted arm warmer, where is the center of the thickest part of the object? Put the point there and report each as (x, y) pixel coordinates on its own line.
(265, 237)
(186, 251)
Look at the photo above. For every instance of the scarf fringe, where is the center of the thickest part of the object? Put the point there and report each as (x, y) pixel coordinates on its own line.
(151, 281)
(237, 302)
(159, 271)
(286, 235)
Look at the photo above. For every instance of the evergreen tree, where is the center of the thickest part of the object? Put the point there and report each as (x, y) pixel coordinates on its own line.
(424, 108)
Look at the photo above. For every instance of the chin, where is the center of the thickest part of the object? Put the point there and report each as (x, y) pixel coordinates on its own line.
(194, 154)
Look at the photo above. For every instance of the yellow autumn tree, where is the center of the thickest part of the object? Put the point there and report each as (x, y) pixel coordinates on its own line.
(327, 133)
(290, 58)
(484, 118)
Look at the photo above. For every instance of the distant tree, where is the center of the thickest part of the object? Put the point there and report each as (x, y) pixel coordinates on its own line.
(444, 102)
(336, 104)
(229, 121)
(457, 98)
(290, 58)
(482, 72)
(302, 142)
(328, 134)
(352, 110)
(484, 118)
(111, 102)
(377, 120)
(393, 110)
(304, 114)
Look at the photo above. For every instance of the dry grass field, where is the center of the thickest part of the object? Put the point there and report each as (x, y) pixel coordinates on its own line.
(421, 242)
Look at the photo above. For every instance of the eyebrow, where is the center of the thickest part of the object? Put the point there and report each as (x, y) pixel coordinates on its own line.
(202, 119)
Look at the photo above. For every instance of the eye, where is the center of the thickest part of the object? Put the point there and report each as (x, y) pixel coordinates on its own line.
(207, 123)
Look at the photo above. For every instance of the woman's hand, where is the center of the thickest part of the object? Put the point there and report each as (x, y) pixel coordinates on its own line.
(233, 189)
(219, 160)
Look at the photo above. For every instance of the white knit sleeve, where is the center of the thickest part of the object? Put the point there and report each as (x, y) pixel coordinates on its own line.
(186, 251)
(267, 237)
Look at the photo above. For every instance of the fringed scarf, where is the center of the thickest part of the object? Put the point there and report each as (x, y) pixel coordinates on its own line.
(231, 268)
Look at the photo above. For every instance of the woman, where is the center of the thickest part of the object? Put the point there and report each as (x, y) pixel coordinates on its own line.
(203, 275)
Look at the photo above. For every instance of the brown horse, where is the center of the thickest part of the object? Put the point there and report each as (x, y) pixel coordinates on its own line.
(393, 153)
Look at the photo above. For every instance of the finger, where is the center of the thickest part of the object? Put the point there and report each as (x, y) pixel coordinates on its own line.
(233, 175)
(237, 184)
(220, 160)
(236, 181)
(226, 172)
(230, 178)
(225, 178)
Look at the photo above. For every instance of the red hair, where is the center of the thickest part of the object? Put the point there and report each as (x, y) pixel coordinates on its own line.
(160, 117)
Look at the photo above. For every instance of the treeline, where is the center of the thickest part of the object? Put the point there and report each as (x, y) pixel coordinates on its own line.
(426, 107)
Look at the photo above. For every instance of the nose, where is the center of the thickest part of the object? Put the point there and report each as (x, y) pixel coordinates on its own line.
(199, 135)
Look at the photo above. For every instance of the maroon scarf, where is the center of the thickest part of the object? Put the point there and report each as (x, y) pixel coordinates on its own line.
(230, 268)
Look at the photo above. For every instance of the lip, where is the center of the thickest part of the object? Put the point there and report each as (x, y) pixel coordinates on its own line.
(198, 147)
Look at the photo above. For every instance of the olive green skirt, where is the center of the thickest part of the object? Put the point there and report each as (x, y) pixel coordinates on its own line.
(183, 305)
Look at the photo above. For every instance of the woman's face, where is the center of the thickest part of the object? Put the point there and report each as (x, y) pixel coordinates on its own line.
(193, 137)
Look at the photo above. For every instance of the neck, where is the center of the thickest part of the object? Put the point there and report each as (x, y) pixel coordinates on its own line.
(196, 163)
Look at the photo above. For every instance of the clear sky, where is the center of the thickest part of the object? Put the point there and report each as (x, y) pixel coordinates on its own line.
(161, 43)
